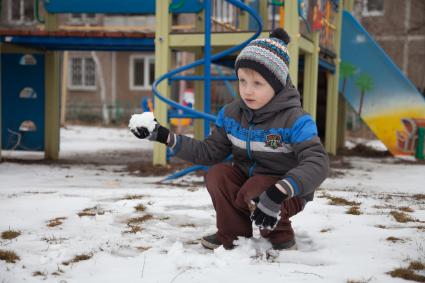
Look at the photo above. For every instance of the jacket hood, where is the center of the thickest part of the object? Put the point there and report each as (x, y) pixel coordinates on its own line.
(288, 97)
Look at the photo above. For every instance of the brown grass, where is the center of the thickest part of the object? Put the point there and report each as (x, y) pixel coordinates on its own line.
(140, 207)
(9, 256)
(138, 220)
(409, 272)
(188, 225)
(354, 210)
(401, 216)
(406, 209)
(381, 226)
(78, 258)
(55, 222)
(131, 197)
(340, 201)
(38, 273)
(419, 197)
(133, 229)
(416, 265)
(393, 239)
(10, 234)
(325, 230)
(142, 249)
(92, 211)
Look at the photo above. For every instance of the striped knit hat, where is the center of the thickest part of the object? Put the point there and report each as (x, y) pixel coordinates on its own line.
(269, 57)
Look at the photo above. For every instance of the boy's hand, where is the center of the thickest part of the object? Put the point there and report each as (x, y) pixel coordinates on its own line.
(266, 214)
(146, 126)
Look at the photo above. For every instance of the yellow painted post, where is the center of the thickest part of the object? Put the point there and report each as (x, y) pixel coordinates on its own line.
(162, 66)
(52, 91)
(263, 13)
(1, 127)
(342, 105)
(64, 87)
(292, 27)
(311, 71)
(332, 94)
(198, 124)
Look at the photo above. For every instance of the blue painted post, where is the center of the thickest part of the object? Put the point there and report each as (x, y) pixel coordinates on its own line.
(207, 66)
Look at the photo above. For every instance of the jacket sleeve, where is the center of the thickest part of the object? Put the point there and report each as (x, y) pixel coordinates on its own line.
(213, 149)
(313, 161)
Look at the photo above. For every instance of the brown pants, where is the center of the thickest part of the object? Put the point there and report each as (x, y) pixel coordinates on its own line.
(231, 192)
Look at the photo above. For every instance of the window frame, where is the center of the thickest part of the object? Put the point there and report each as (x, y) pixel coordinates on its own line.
(147, 58)
(21, 13)
(374, 13)
(83, 87)
(84, 19)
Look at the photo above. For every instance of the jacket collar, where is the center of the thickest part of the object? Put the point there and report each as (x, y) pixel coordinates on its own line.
(287, 98)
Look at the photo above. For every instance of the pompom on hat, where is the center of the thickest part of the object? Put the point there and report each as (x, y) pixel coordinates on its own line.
(269, 57)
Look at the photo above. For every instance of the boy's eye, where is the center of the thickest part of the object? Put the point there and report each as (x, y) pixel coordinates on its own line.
(258, 83)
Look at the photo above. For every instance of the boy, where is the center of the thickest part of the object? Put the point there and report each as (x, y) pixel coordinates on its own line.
(278, 159)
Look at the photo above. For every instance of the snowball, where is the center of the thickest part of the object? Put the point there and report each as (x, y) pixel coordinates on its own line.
(146, 119)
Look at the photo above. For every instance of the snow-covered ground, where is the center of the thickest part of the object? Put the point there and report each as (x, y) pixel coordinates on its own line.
(333, 246)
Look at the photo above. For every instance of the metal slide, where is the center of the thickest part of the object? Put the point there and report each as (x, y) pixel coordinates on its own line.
(378, 91)
(206, 61)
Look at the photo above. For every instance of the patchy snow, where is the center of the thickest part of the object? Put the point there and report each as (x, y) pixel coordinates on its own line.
(374, 144)
(333, 246)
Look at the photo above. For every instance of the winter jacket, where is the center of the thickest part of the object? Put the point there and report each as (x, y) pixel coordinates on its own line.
(277, 139)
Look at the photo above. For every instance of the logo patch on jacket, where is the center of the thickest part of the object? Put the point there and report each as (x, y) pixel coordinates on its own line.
(274, 141)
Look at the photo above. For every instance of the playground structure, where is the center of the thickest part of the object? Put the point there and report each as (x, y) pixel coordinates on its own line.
(315, 27)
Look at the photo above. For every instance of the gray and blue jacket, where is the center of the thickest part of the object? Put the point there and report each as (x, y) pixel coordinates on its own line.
(277, 139)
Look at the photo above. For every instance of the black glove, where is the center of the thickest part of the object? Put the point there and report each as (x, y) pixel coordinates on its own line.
(267, 208)
(159, 133)
(146, 126)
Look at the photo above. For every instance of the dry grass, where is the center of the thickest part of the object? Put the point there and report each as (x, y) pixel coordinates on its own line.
(381, 226)
(340, 201)
(78, 258)
(419, 197)
(133, 229)
(131, 197)
(406, 209)
(325, 230)
(92, 211)
(188, 225)
(55, 222)
(10, 234)
(401, 216)
(38, 273)
(142, 249)
(354, 210)
(140, 207)
(138, 220)
(409, 272)
(9, 256)
(393, 239)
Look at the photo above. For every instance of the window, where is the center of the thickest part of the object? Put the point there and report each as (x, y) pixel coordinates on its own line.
(21, 11)
(82, 73)
(82, 18)
(142, 72)
(373, 8)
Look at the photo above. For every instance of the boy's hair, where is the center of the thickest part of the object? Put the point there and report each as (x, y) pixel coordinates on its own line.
(269, 57)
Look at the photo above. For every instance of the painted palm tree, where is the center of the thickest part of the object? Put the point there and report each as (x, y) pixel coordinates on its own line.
(365, 83)
(347, 71)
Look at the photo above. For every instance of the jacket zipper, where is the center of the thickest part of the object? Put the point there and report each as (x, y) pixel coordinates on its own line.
(248, 148)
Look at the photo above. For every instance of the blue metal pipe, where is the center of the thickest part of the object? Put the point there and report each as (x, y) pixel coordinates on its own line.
(184, 172)
(174, 104)
(200, 78)
(207, 65)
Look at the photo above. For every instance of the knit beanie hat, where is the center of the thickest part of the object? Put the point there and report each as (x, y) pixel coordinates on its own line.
(269, 57)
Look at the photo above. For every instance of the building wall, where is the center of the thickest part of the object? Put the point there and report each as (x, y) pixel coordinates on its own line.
(400, 31)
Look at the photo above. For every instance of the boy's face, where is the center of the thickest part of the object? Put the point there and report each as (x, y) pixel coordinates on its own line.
(254, 90)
